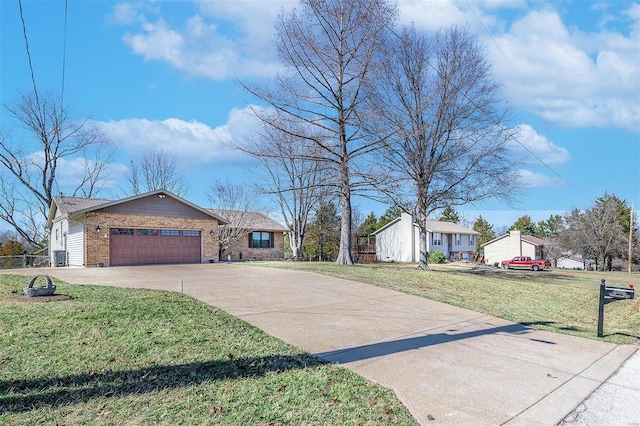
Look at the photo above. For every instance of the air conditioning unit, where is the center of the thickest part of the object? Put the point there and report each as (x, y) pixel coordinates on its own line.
(60, 257)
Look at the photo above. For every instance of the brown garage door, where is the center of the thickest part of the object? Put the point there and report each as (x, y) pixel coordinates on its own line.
(153, 246)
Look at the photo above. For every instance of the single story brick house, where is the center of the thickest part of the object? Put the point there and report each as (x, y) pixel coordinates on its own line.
(398, 240)
(157, 227)
(258, 238)
(513, 244)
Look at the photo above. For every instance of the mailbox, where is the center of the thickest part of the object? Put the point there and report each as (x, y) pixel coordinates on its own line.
(610, 294)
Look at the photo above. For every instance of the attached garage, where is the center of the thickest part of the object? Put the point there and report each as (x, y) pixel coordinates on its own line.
(152, 228)
(153, 246)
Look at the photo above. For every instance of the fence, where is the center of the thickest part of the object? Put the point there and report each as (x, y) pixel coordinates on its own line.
(23, 261)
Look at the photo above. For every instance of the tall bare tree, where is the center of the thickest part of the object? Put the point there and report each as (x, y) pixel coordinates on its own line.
(233, 202)
(156, 169)
(29, 169)
(290, 172)
(329, 49)
(600, 231)
(449, 146)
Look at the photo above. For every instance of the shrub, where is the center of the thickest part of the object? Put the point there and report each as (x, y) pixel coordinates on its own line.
(437, 257)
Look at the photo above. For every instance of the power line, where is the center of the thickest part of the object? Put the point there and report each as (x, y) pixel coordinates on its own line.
(26, 42)
(513, 137)
(64, 50)
(489, 34)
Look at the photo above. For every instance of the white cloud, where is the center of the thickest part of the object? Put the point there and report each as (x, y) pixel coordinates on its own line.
(126, 13)
(538, 180)
(189, 142)
(567, 76)
(227, 40)
(534, 147)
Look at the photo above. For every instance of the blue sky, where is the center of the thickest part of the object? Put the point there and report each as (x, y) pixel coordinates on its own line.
(163, 74)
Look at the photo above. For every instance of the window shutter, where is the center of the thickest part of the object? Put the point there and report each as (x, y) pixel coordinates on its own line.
(250, 239)
(271, 240)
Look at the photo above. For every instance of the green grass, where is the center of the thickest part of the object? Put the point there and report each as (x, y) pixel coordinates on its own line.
(561, 301)
(123, 356)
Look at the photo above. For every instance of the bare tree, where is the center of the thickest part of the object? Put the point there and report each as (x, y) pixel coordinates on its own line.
(31, 166)
(449, 144)
(329, 49)
(599, 232)
(233, 202)
(289, 172)
(156, 169)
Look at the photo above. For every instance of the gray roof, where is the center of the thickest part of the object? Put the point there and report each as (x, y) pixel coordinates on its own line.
(533, 240)
(70, 206)
(250, 220)
(449, 228)
(435, 226)
(528, 238)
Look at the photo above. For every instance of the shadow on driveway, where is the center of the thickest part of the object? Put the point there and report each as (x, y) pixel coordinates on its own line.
(359, 353)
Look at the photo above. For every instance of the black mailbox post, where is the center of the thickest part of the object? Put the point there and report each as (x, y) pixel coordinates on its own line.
(608, 295)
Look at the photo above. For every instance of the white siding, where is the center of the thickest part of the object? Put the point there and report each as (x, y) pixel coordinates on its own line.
(58, 238)
(529, 249)
(395, 243)
(75, 243)
(498, 251)
(568, 263)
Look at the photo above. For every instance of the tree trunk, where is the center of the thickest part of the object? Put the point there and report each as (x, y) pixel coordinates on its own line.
(344, 254)
(423, 262)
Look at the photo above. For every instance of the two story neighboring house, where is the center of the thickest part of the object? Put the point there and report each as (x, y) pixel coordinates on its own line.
(399, 241)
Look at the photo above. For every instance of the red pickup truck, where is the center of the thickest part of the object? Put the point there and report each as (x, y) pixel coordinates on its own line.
(525, 262)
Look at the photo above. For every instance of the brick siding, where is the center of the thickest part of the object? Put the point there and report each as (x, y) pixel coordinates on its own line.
(97, 244)
(242, 247)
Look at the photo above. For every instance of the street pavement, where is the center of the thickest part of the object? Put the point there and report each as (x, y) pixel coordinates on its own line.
(449, 366)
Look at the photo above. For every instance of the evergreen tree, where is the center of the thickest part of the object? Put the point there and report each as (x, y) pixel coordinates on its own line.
(369, 225)
(323, 237)
(390, 214)
(449, 214)
(551, 227)
(525, 224)
(486, 231)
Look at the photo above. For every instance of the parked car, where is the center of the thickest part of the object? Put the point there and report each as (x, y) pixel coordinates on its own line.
(525, 262)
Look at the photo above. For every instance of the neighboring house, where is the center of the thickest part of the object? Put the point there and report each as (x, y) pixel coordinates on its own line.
(252, 235)
(153, 228)
(513, 244)
(574, 262)
(398, 241)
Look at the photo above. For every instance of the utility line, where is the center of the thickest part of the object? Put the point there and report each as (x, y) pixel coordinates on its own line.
(494, 121)
(512, 136)
(26, 42)
(64, 51)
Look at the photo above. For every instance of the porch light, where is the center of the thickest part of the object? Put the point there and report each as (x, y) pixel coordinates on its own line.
(98, 229)
(211, 232)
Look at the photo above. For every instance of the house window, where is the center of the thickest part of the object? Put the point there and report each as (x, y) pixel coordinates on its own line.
(57, 232)
(261, 240)
(458, 238)
(436, 239)
(147, 232)
(121, 231)
(190, 233)
(471, 242)
(169, 232)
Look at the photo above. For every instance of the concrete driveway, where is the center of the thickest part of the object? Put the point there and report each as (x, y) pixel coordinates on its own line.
(448, 365)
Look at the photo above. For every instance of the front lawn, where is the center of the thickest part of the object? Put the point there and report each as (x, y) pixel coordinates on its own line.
(562, 301)
(122, 356)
